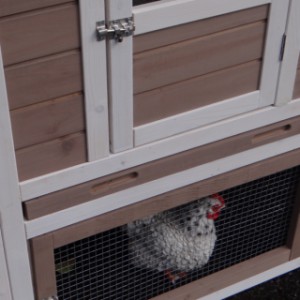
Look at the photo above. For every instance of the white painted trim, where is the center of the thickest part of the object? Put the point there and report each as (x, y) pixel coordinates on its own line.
(169, 13)
(12, 226)
(133, 195)
(253, 281)
(271, 62)
(195, 118)
(95, 79)
(78, 174)
(120, 81)
(5, 293)
(291, 55)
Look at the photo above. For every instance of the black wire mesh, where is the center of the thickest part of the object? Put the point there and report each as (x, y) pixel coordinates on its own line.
(256, 219)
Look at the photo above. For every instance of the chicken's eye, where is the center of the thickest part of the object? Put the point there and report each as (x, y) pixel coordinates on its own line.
(216, 208)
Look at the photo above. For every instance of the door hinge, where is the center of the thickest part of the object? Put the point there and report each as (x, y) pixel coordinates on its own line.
(282, 47)
(116, 30)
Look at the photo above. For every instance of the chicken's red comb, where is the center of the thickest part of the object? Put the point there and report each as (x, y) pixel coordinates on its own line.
(219, 197)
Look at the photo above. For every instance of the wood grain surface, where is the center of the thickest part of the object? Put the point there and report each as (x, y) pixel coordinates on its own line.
(44, 79)
(39, 33)
(196, 92)
(49, 120)
(51, 156)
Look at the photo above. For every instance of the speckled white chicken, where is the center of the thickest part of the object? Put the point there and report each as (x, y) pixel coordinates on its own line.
(178, 240)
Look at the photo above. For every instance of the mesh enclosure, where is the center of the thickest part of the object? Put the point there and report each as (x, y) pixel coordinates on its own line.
(109, 265)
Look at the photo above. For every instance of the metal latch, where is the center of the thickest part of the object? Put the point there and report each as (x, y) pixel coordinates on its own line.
(116, 30)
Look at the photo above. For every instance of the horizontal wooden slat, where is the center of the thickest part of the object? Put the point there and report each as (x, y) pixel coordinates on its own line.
(174, 198)
(109, 184)
(47, 121)
(39, 33)
(196, 29)
(51, 156)
(228, 276)
(9, 7)
(44, 79)
(297, 85)
(174, 63)
(197, 92)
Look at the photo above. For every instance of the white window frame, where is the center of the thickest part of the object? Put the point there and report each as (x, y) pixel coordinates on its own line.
(165, 14)
(291, 55)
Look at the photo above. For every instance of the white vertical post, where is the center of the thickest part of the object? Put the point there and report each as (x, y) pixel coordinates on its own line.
(5, 292)
(291, 55)
(271, 61)
(120, 80)
(12, 223)
(95, 79)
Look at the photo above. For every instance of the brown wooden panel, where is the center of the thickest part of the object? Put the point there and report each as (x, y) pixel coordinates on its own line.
(112, 183)
(9, 7)
(48, 120)
(177, 62)
(228, 276)
(294, 234)
(44, 79)
(196, 92)
(297, 86)
(39, 33)
(174, 198)
(43, 266)
(51, 156)
(196, 29)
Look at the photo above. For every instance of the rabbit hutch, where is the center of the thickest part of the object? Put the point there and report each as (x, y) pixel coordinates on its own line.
(148, 149)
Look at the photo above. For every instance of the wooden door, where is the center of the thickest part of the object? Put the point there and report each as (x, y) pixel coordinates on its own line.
(289, 82)
(58, 105)
(192, 63)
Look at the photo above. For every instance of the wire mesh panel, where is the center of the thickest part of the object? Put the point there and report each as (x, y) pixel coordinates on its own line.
(161, 252)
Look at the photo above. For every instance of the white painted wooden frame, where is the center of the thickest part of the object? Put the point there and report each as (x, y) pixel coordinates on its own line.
(170, 13)
(78, 174)
(12, 225)
(120, 80)
(291, 55)
(141, 192)
(95, 79)
(253, 281)
(5, 292)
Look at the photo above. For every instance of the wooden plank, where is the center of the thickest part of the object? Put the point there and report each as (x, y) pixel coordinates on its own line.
(293, 239)
(95, 80)
(48, 120)
(196, 92)
(43, 265)
(120, 81)
(174, 198)
(166, 65)
(135, 176)
(5, 292)
(173, 13)
(228, 276)
(39, 33)
(154, 188)
(9, 7)
(296, 93)
(44, 79)
(176, 34)
(196, 118)
(12, 222)
(122, 161)
(51, 156)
